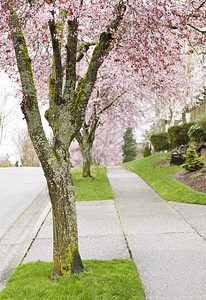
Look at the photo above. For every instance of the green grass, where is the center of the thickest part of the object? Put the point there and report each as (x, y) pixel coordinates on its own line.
(96, 187)
(161, 179)
(106, 280)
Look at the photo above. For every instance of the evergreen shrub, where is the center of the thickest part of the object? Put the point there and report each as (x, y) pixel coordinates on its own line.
(160, 141)
(193, 161)
(147, 150)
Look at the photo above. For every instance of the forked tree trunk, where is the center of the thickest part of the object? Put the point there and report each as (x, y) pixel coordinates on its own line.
(66, 258)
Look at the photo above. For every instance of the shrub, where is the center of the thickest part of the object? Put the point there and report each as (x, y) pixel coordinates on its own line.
(186, 127)
(147, 150)
(178, 134)
(160, 141)
(193, 161)
(195, 133)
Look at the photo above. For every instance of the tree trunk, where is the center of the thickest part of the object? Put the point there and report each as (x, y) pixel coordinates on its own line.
(86, 172)
(87, 159)
(65, 115)
(66, 258)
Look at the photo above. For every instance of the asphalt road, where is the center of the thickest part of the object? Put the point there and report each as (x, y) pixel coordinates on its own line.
(18, 189)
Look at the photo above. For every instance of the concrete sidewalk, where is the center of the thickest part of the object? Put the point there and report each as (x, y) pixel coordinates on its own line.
(100, 234)
(166, 240)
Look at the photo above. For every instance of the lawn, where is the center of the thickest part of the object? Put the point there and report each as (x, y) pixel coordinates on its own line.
(96, 187)
(106, 280)
(161, 179)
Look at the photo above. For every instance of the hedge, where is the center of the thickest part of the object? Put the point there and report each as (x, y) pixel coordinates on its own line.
(160, 141)
(178, 134)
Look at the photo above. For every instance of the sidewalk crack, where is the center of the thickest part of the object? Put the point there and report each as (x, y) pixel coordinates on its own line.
(122, 228)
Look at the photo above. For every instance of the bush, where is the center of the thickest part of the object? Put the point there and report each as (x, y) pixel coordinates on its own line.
(178, 134)
(186, 127)
(193, 161)
(147, 150)
(160, 141)
(195, 133)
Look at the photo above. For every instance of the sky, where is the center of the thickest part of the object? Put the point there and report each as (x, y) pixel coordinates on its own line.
(14, 120)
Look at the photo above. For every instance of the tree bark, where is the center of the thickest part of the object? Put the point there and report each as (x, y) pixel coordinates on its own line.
(55, 163)
(85, 140)
(66, 258)
(87, 160)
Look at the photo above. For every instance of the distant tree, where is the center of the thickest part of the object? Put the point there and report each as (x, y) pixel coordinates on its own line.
(6, 112)
(5, 161)
(106, 148)
(28, 156)
(129, 147)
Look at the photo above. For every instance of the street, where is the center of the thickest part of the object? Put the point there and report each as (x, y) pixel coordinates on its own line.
(18, 189)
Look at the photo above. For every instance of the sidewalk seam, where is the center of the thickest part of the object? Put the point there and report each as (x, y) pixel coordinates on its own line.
(124, 234)
(186, 221)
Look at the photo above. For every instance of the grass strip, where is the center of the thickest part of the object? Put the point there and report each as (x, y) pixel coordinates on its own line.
(96, 187)
(161, 179)
(106, 280)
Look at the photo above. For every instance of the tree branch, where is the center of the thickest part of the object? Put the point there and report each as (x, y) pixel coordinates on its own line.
(29, 104)
(79, 137)
(56, 45)
(201, 5)
(50, 114)
(71, 60)
(197, 29)
(95, 121)
(84, 47)
(85, 86)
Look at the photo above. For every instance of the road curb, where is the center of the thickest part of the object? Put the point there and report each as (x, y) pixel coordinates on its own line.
(15, 243)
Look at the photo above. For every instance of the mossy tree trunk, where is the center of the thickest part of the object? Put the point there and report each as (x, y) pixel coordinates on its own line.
(87, 161)
(66, 258)
(66, 113)
(85, 138)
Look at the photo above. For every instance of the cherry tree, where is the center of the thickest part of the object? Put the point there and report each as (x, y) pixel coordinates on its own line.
(110, 99)
(106, 147)
(43, 45)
